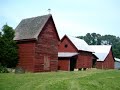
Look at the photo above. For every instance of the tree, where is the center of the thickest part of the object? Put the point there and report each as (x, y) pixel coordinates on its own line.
(109, 39)
(92, 38)
(8, 47)
(97, 39)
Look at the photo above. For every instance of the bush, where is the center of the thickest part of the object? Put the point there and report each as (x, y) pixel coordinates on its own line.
(3, 69)
(19, 70)
(118, 68)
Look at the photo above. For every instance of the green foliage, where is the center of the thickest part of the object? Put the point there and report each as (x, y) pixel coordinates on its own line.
(92, 39)
(3, 69)
(109, 39)
(8, 32)
(97, 39)
(8, 48)
(78, 80)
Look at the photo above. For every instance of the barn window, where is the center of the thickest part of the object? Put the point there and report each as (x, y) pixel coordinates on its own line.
(66, 45)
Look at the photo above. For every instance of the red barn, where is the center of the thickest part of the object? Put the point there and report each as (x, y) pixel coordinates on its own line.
(37, 39)
(67, 60)
(105, 56)
(74, 53)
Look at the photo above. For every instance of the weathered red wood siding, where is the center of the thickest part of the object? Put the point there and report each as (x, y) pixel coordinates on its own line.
(84, 60)
(46, 50)
(42, 54)
(26, 55)
(99, 64)
(69, 48)
(64, 64)
(108, 63)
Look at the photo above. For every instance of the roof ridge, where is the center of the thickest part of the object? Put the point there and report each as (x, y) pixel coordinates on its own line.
(36, 16)
(39, 30)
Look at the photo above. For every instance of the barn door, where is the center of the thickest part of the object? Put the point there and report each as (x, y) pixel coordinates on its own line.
(46, 63)
(72, 63)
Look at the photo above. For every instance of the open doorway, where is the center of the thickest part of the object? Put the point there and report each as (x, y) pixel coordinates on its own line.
(94, 63)
(72, 63)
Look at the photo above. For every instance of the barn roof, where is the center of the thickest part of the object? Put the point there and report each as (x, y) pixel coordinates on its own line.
(117, 59)
(80, 44)
(66, 54)
(94, 56)
(30, 28)
(101, 51)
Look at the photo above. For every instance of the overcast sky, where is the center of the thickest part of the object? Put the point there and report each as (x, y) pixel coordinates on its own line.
(72, 17)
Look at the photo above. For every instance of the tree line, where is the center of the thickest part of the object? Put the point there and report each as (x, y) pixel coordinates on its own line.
(97, 39)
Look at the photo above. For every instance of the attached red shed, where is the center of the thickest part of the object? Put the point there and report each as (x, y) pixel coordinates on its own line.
(70, 45)
(67, 61)
(105, 56)
(37, 39)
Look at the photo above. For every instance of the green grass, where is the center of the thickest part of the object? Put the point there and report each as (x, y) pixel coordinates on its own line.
(78, 80)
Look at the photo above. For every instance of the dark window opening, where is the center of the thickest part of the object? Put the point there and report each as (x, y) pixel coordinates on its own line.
(66, 45)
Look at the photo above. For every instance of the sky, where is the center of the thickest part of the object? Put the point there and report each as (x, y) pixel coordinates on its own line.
(71, 17)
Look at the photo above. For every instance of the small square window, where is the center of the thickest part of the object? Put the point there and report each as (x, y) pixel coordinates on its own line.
(66, 45)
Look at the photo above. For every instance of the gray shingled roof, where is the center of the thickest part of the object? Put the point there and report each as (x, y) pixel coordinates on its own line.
(31, 27)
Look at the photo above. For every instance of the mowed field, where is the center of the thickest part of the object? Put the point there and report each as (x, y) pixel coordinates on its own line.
(78, 80)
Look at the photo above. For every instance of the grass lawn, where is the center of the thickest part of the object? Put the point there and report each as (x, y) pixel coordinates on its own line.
(77, 80)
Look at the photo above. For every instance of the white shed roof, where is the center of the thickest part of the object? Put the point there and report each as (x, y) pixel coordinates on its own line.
(117, 59)
(67, 54)
(80, 44)
(101, 51)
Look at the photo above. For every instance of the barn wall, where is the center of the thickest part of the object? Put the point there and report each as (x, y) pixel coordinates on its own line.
(64, 64)
(84, 60)
(99, 64)
(26, 55)
(108, 63)
(46, 51)
(69, 48)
